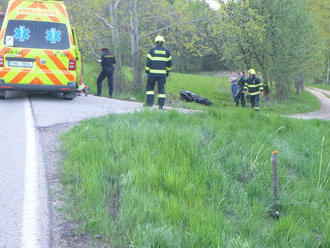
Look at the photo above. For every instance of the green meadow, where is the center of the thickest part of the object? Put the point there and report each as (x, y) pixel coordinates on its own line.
(216, 89)
(167, 179)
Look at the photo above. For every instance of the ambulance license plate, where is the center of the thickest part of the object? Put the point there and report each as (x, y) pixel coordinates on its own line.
(24, 64)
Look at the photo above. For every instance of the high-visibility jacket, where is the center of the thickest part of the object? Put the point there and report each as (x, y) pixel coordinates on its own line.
(159, 61)
(253, 85)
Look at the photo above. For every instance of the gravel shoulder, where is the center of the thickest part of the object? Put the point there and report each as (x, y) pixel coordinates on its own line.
(64, 233)
(324, 112)
(53, 117)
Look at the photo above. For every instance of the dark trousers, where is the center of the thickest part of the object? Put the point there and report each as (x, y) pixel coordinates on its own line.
(240, 97)
(151, 81)
(105, 74)
(254, 102)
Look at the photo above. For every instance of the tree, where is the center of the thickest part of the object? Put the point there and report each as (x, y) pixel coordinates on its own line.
(321, 11)
(277, 37)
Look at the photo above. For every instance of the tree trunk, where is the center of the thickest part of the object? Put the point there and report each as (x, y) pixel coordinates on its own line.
(297, 88)
(119, 79)
(282, 89)
(135, 36)
(300, 84)
(328, 73)
(266, 87)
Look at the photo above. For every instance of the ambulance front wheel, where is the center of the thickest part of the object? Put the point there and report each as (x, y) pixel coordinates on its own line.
(2, 94)
(69, 96)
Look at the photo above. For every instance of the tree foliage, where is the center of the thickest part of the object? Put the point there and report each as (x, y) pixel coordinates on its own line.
(277, 37)
(285, 40)
(321, 12)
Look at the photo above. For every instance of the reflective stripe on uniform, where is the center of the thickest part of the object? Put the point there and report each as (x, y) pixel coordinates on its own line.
(168, 68)
(158, 58)
(253, 85)
(158, 71)
(159, 52)
(161, 95)
(254, 93)
(147, 68)
(150, 92)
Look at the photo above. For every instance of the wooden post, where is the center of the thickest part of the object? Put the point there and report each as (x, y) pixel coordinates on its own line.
(275, 175)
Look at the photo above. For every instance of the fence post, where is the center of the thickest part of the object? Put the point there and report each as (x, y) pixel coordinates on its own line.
(275, 175)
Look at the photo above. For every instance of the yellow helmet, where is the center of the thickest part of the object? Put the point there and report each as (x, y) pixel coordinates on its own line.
(159, 39)
(252, 71)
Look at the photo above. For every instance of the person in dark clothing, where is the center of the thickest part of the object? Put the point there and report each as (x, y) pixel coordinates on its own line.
(240, 93)
(158, 68)
(107, 62)
(254, 86)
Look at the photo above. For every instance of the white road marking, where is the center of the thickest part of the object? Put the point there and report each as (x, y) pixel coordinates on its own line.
(30, 217)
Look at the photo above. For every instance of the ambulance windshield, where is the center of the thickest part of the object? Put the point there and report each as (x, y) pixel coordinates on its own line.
(37, 34)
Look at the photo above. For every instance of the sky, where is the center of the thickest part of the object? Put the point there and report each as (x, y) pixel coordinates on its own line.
(213, 4)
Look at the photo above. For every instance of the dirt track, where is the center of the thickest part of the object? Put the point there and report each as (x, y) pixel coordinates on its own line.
(324, 112)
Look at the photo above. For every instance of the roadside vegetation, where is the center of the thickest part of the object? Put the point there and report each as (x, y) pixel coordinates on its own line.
(320, 86)
(165, 179)
(214, 88)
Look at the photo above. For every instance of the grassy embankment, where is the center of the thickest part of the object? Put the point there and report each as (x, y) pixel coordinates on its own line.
(320, 86)
(165, 179)
(216, 89)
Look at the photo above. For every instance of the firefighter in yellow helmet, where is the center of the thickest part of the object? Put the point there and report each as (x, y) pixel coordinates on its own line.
(158, 68)
(253, 86)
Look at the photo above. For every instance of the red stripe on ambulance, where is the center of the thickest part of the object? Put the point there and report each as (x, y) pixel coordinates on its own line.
(4, 72)
(59, 65)
(20, 76)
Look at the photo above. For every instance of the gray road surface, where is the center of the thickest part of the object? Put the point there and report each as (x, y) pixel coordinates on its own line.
(17, 197)
(324, 112)
(12, 154)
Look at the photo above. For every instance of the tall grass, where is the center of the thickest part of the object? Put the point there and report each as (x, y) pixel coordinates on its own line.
(165, 179)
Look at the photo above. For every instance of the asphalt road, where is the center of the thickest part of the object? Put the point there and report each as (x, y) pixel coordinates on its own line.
(12, 164)
(24, 207)
(324, 112)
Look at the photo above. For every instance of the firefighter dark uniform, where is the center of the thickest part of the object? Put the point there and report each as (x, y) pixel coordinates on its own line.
(253, 85)
(107, 62)
(240, 94)
(159, 62)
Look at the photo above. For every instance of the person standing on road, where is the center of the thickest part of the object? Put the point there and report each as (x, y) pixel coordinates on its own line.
(240, 93)
(158, 68)
(254, 86)
(107, 62)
